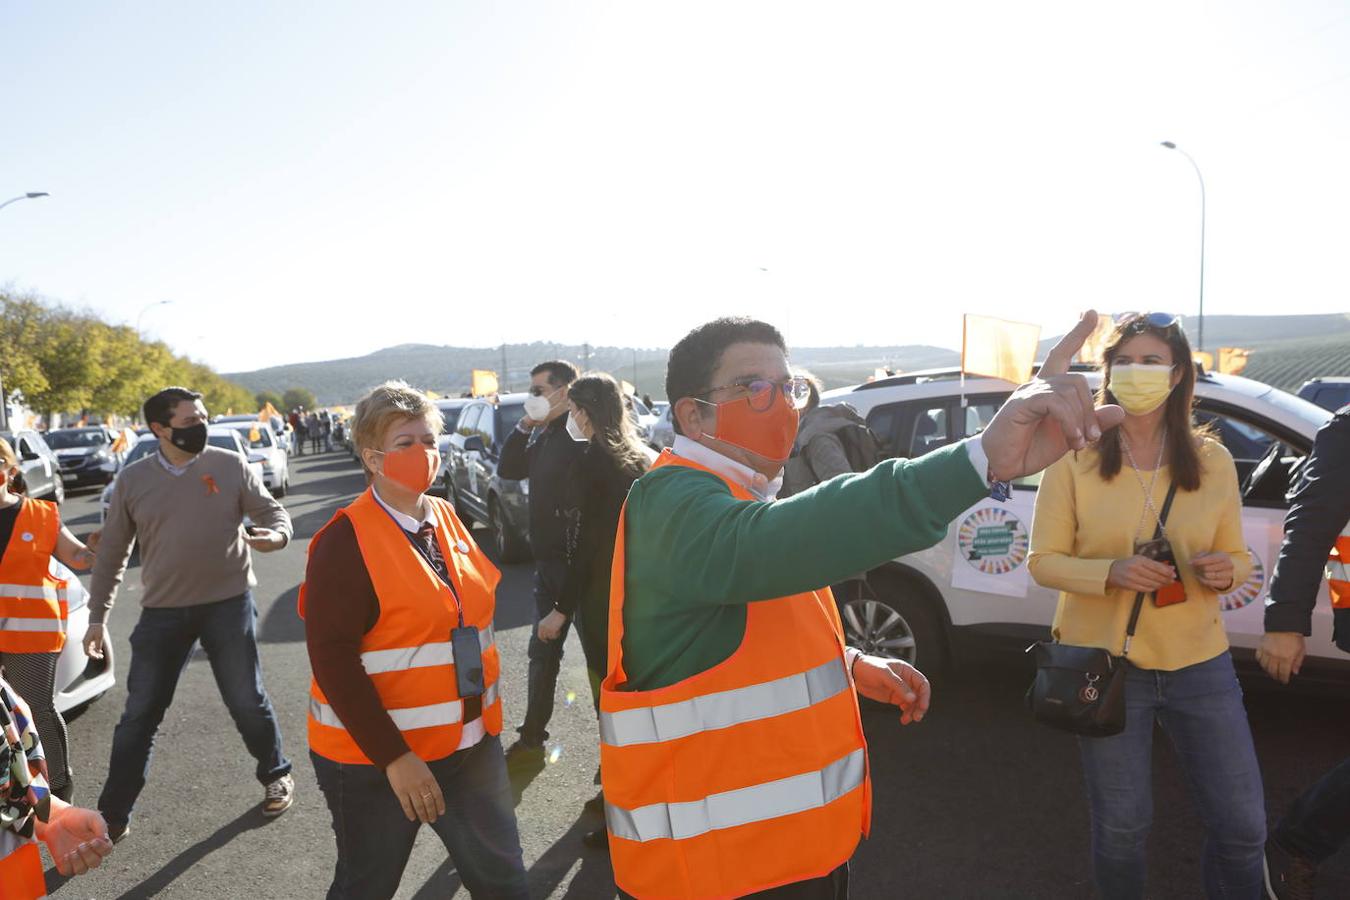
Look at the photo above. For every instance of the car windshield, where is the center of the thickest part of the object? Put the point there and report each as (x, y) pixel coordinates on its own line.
(450, 419)
(512, 413)
(68, 438)
(142, 448)
(263, 435)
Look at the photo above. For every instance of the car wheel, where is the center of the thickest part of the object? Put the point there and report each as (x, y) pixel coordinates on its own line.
(510, 546)
(888, 615)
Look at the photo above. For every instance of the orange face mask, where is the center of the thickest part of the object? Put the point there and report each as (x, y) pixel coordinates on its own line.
(769, 434)
(412, 467)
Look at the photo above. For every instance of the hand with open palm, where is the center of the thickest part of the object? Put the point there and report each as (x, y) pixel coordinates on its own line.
(1048, 416)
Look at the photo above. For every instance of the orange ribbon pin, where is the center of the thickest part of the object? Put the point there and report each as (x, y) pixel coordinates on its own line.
(211, 487)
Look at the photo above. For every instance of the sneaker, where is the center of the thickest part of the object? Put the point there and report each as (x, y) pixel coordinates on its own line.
(597, 839)
(278, 797)
(1288, 875)
(117, 832)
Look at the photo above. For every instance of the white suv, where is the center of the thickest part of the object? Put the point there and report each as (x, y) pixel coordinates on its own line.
(976, 580)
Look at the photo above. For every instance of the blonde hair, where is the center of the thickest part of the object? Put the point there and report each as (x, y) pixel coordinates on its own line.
(391, 403)
(8, 458)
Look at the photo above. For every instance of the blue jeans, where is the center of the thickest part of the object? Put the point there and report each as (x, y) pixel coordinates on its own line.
(545, 656)
(1319, 821)
(161, 645)
(1200, 709)
(374, 838)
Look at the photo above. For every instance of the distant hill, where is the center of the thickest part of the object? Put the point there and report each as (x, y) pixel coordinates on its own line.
(1287, 350)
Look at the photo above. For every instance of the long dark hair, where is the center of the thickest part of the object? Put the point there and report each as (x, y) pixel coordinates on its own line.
(599, 397)
(1183, 455)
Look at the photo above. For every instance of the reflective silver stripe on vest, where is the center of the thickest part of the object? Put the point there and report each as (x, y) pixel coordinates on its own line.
(11, 624)
(410, 717)
(401, 658)
(32, 592)
(730, 809)
(723, 709)
(1336, 571)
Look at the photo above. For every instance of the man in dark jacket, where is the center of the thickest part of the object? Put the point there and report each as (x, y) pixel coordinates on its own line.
(1319, 821)
(541, 450)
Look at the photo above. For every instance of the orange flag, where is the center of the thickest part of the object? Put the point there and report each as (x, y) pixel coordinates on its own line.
(1094, 348)
(998, 348)
(484, 383)
(1232, 360)
(1204, 358)
(254, 435)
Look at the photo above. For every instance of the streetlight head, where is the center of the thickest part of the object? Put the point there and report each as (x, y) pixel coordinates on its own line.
(33, 195)
(1169, 145)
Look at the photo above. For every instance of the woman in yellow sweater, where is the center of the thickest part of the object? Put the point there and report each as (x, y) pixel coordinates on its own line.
(1092, 508)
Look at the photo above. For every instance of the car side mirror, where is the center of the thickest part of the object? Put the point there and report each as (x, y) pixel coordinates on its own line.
(474, 442)
(28, 455)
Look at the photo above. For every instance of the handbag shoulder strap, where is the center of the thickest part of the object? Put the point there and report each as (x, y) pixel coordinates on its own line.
(1139, 598)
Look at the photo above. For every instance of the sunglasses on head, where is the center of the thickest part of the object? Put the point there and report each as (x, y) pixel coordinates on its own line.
(1139, 321)
(796, 391)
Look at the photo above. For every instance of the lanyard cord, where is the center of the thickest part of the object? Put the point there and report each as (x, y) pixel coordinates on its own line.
(426, 557)
(1153, 482)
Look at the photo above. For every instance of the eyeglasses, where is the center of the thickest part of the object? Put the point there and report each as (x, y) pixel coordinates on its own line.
(1141, 321)
(796, 391)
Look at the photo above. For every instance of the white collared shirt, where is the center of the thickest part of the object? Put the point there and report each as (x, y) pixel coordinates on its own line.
(765, 489)
(173, 470)
(474, 731)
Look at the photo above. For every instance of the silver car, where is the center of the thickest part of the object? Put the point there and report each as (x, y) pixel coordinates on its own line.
(38, 463)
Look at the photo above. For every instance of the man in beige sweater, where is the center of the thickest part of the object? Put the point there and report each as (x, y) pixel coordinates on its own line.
(185, 504)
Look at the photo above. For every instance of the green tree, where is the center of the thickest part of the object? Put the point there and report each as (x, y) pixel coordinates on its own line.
(262, 398)
(298, 396)
(23, 334)
(69, 356)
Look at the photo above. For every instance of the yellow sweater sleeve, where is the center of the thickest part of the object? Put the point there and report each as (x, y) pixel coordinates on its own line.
(1054, 529)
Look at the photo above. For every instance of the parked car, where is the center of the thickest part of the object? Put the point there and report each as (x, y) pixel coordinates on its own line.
(478, 493)
(39, 465)
(662, 433)
(450, 412)
(79, 679)
(221, 436)
(1328, 393)
(88, 454)
(975, 581)
(643, 418)
(279, 429)
(264, 447)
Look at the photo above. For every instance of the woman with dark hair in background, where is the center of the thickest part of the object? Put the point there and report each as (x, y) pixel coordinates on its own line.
(614, 458)
(33, 607)
(1096, 511)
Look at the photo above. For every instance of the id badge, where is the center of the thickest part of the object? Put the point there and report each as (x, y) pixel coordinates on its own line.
(468, 655)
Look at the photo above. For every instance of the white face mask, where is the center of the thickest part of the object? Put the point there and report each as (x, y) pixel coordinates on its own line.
(538, 408)
(574, 429)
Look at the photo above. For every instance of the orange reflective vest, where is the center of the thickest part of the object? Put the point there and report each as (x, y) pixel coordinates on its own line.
(750, 775)
(21, 876)
(33, 606)
(1338, 570)
(408, 653)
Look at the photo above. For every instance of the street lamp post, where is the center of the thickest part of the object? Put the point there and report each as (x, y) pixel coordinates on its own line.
(4, 398)
(148, 307)
(1200, 332)
(31, 195)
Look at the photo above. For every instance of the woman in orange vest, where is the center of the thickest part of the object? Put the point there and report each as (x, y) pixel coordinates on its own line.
(77, 839)
(33, 606)
(404, 711)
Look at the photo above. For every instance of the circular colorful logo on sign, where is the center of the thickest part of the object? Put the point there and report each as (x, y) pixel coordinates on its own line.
(993, 541)
(1249, 590)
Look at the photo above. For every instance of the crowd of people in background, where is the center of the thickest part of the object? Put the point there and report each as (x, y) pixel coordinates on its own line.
(732, 754)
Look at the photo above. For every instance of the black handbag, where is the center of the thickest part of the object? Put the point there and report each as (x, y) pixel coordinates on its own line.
(1082, 689)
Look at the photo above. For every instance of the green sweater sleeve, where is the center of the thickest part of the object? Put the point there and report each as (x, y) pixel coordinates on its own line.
(694, 540)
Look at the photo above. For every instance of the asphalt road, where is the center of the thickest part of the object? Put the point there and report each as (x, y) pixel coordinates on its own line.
(976, 802)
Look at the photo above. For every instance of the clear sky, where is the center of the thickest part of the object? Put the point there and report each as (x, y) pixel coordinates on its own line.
(315, 180)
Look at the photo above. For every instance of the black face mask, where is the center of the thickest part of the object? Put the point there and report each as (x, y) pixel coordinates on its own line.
(191, 439)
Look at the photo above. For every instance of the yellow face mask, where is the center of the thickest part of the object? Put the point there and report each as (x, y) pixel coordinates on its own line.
(1141, 389)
